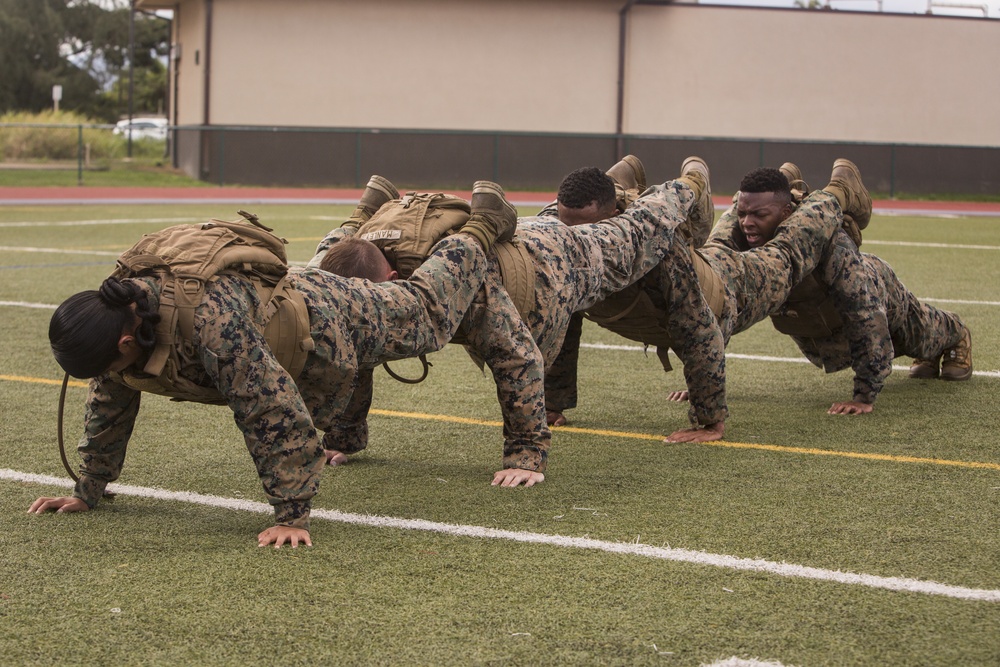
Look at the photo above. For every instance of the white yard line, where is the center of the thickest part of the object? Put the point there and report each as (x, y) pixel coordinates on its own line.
(84, 223)
(27, 304)
(901, 584)
(60, 251)
(747, 357)
(918, 244)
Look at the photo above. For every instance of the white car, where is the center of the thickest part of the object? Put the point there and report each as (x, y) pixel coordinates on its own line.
(143, 128)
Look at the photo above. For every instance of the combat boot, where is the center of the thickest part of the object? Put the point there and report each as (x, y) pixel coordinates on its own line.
(956, 362)
(378, 192)
(493, 219)
(792, 172)
(845, 184)
(629, 173)
(852, 230)
(701, 217)
(925, 369)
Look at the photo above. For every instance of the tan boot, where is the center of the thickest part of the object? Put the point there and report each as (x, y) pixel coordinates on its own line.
(852, 230)
(629, 173)
(494, 219)
(956, 362)
(701, 217)
(845, 184)
(792, 172)
(378, 192)
(925, 369)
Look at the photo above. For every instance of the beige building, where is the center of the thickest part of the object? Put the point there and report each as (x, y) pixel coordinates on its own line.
(441, 92)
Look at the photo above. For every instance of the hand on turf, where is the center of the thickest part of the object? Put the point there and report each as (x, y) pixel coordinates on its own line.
(516, 477)
(698, 433)
(335, 458)
(278, 535)
(555, 418)
(677, 396)
(850, 408)
(61, 505)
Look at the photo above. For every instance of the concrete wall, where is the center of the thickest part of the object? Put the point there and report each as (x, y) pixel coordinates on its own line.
(473, 78)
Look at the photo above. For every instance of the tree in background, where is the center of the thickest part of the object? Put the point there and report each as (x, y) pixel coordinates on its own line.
(82, 45)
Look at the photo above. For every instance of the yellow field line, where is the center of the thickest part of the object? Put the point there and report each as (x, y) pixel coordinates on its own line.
(716, 443)
(812, 451)
(22, 378)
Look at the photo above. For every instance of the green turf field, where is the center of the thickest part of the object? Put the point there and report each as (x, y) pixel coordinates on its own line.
(804, 539)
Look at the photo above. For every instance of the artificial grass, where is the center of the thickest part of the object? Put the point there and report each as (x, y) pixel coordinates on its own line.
(191, 586)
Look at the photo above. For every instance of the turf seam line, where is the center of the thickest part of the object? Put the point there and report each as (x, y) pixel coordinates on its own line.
(899, 584)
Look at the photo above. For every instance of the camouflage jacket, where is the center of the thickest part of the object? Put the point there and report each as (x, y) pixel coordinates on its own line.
(574, 268)
(863, 341)
(354, 325)
(754, 282)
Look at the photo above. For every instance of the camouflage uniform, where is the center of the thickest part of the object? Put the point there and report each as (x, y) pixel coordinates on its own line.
(755, 283)
(574, 268)
(354, 324)
(879, 317)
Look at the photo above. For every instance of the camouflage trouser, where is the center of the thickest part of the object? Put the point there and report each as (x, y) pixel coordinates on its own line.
(578, 266)
(759, 280)
(356, 325)
(561, 378)
(573, 268)
(917, 329)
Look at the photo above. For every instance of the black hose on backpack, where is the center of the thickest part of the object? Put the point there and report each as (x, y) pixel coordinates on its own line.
(59, 432)
(59, 428)
(394, 376)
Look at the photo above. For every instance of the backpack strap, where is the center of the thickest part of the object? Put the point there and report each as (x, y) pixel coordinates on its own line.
(711, 285)
(518, 274)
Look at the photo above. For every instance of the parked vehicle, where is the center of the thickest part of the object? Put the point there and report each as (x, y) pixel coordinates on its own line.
(143, 128)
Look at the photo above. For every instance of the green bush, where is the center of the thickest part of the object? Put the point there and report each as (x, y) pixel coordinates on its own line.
(62, 141)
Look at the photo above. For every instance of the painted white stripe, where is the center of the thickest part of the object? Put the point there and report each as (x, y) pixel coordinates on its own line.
(962, 301)
(743, 662)
(917, 244)
(627, 548)
(84, 223)
(60, 251)
(753, 357)
(27, 304)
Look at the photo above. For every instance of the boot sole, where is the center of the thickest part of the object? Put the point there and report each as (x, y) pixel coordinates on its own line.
(384, 186)
(509, 211)
(638, 169)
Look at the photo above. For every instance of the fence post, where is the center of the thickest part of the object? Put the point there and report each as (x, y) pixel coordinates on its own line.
(357, 159)
(79, 154)
(222, 156)
(496, 158)
(892, 171)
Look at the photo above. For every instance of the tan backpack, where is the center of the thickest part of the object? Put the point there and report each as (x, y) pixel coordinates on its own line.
(406, 229)
(185, 258)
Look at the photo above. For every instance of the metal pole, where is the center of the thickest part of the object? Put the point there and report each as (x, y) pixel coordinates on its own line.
(131, 71)
(79, 154)
(622, 52)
